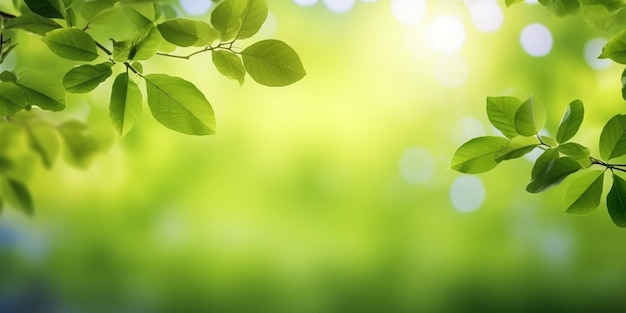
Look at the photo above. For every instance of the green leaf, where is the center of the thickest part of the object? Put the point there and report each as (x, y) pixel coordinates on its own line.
(599, 15)
(71, 18)
(574, 150)
(517, 147)
(252, 18)
(71, 44)
(616, 201)
(583, 195)
(549, 141)
(32, 23)
(48, 8)
(44, 140)
(179, 105)
(125, 106)
(121, 50)
(148, 45)
(12, 99)
(99, 12)
(615, 48)
(229, 65)
(512, 2)
(273, 63)
(226, 18)
(571, 121)
(80, 143)
(553, 174)
(501, 113)
(16, 194)
(87, 77)
(561, 7)
(42, 91)
(477, 155)
(613, 138)
(186, 32)
(529, 118)
(542, 162)
(8, 76)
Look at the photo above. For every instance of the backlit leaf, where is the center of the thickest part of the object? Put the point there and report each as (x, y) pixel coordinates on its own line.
(571, 121)
(478, 155)
(125, 106)
(273, 63)
(229, 65)
(613, 138)
(616, 201)
(42, 91)
(179, 105)
(553, 174)
(148, 45)
(121, 50)
(584, 194)
(252, 18)
(186, 32)
(517, 147)
(32, 23)
(615, 48)
(574, 150)
(71, 44)
(226, 18)
(543, 160)
(99, 12)
(501, 112)
(12, 99)
(86, 77)
(529, 118)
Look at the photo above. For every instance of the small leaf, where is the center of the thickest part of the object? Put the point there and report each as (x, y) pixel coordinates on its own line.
(16, 194)
(543, 160)
(529, 118)
(229, 65)
(125, 106)
(121, 50)
(549, 141)
(186, 32)
(71, 44)
(583, 195)
(613, 138)
(32, 23)
(561, 7)
(273, 63)
(42, 91)
(571, 121)
(87, 77)
(517, 147)
(226, 18)
(574, 150)
(512, 2)
(477, 155)
(79, 141)
(501, 113)
(12, 99)
(148, 45)
(179, 105)
(615, 48)
(553, 174)
(252, 18)
(616, 201)
(8, 76)
(44, 140)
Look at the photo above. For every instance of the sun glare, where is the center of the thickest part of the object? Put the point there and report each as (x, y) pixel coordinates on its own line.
(447, 34)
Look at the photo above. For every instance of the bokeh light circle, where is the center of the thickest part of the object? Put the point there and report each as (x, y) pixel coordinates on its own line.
(417, 165)
(339, 6)
(447, 33)
(486, 15)
(194, 7)
(451, 71)
(536, 40)
(408, 11)
(465, 129)
(593, 49)
(305, 3)
(467, 193)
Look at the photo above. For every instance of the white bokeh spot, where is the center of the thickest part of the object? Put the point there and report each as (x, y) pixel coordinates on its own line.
(408, 11)
(593, 49)
(451, 71)
(305, 3)
(195, 7)
(339, 6)
(467, 194)
(447, 34)
(486, 15)
(417, 165)
(536, 40)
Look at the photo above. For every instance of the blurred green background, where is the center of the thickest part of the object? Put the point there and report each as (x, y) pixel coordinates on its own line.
(333, 194)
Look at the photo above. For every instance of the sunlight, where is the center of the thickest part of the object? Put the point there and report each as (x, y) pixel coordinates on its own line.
(486, 15)
(339, 6)
(408, 11)
(447, 34)
(467, 193)
(536, 40)
(305, 3)
(451, 71)
(593, 48)
(417, 165)
(192, 7)
(467, 128)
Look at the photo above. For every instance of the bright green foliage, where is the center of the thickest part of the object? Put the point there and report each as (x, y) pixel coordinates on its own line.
(553, 174)
(478, 155)
(616, 201)
(49, 8)
(501, 112)
(186, 32)
(273, 63)
(547, 157)
(12, 99)
(229, 65)
(584, 194)
(179, 105)
(613, 138)
(99, 12)
(86, 77)
(33, 23)
(512, 2)
(529, 118)
(561, 7)
(615, 49)
(571, 121)
(517, 147)
(71, 44)
(42, 91)
(252, 18)
(146, 45)
(125, 107)
(226, 18)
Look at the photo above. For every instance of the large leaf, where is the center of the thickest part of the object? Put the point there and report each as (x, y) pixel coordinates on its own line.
(517, 147)
(598, 15)
(147, 45)
(12, 99)
(125, 106)
(501, 112)
(44, 140)
(613, 138)
(273, 63)
(584, 194)
(49, 8)
(179, 105)
(477, 155)
(72, 44)
(186, 32)
(561, 7)
(86, 77)
(553, 174)
(575, 151)
(80, 143)
(15, 194)
(571, 121)
(32, 23)
(615, 48)
(226, 18)
(252, 18)
(529, 118)
(229, 65)
(100, 12)
(42, 91)
(542, 162)
(616, 201)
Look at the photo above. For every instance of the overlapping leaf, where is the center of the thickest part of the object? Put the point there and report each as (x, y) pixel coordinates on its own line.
(42, 91)
(501, 113)
(72, 44)
(613, 138)
(229, 65)
(616, 201)
(517, 147)
(478, 155)
(571, 121)
(86, 77)
(125, 106)
(186, 32)
(553, 174)
(529, 118)
(584, 194)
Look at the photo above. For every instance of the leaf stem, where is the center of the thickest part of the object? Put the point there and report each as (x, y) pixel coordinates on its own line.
(221, 46)
(617, 167)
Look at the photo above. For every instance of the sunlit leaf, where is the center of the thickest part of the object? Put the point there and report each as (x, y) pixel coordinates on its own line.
(42, 91)
(561, 7)
(32, 23)
(15, 194)
(543, 160)
(599, 15)
(80, 143)
(86, 77)
(139, 19)
(44, 140)
(616, 201)
(549, 141)
(125, 106)
(571, 121)
(72, 44)
(12, 99)
(229, 65)
(529, 117)
(517, 147)
(615, 48)
(186, 32)
(48, 8)
(226, 18)
(252, 18)
(121, 50)
(553, 174)
(99, 12)
(478, 155)
(512, 2)
(148, 45)
(613, 138)
(501, 112)
(179, 105)
(273, 63)
(574, 150)
(584, 194)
